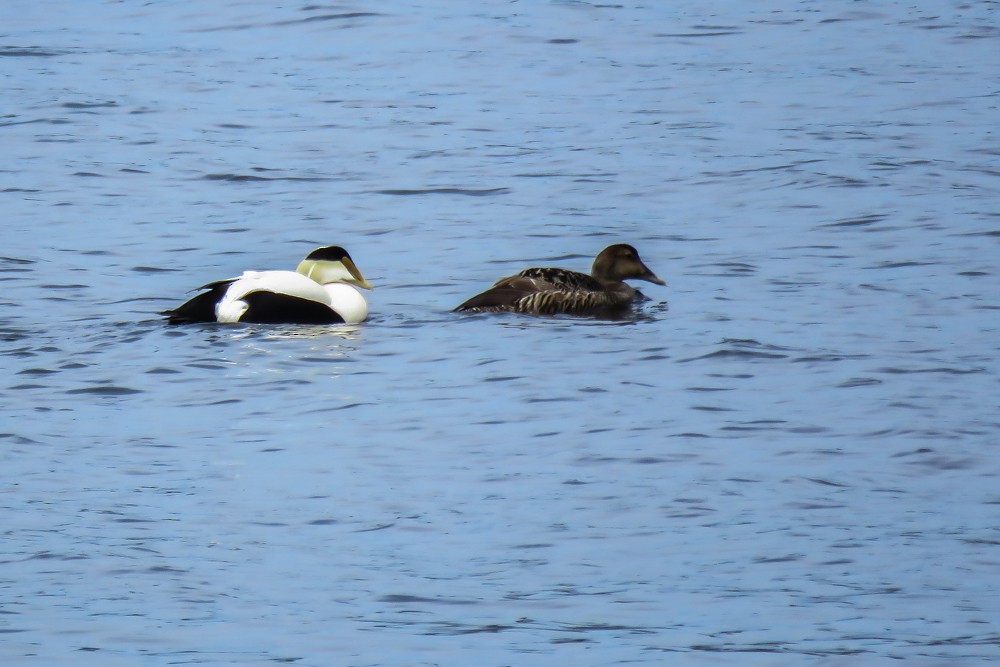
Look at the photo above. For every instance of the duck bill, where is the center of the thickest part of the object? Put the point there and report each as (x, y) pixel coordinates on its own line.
(359, 279)
(651, 277)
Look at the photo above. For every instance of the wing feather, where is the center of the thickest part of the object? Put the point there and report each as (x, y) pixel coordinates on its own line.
(201, 307)
(561, 279)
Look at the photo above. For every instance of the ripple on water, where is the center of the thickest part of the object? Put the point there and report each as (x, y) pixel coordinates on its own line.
(780, 465)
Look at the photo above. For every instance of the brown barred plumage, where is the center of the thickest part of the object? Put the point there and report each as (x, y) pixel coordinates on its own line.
(548, 291)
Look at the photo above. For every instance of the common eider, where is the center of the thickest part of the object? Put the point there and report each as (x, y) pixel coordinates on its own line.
(546, 291)
(319, 291)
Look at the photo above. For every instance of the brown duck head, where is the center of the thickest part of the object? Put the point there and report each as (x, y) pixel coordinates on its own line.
(620, 262)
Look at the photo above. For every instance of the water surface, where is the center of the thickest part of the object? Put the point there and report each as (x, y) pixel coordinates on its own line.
(786, 456)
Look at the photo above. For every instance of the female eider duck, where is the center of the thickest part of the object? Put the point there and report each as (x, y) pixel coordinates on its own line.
(546, 291)
(319, 291)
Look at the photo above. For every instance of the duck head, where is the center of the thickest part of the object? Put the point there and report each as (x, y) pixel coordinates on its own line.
(620, 262)
(332, 264)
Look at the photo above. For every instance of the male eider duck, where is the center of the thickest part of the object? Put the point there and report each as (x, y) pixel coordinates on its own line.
(319, 291)
(546, 291)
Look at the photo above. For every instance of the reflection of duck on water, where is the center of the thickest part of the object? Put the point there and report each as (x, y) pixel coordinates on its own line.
(546, 291)
(319, 291)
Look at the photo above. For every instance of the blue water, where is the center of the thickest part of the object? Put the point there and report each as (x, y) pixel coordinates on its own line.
(788, 456)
